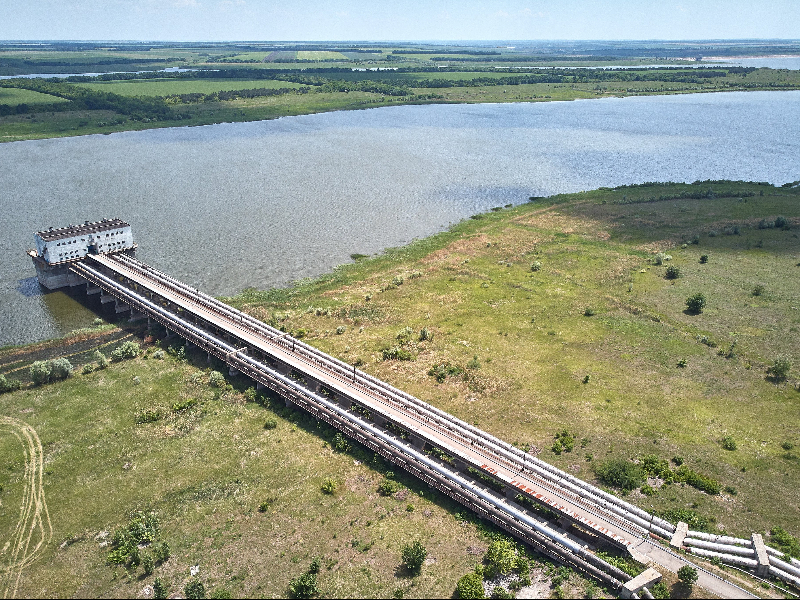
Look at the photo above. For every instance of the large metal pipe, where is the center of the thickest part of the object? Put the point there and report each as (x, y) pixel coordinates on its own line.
(781, 555)
(780, 574)
(728, 558)
(779, 564)
(603, 500)
(724, 548)
(719, 539)
(231, 351)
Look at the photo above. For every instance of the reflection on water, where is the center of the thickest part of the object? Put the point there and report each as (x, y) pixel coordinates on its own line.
(260, 204)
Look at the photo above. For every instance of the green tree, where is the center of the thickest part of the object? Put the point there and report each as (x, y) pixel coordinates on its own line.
(470, 586)
(687, 575)
(779, 370)
(696, 303)
(413, 556)
(160, 590)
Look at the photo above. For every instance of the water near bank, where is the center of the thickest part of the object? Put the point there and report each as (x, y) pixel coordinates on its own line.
(259, 204)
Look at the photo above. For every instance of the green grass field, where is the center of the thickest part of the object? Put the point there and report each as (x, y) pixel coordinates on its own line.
(558, 317)
(14, 97)
(168, 87)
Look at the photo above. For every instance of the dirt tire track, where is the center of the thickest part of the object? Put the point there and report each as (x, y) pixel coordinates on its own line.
(34, 529)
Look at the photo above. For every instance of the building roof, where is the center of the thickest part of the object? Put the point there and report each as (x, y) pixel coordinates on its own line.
(75, 230)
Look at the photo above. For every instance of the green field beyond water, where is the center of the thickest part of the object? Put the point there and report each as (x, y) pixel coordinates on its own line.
(553, 318)
(231, 83)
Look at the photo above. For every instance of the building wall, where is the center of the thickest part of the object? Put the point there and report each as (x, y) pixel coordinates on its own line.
(70, 248)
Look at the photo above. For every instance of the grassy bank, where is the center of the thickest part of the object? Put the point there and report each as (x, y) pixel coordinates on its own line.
(548, 316)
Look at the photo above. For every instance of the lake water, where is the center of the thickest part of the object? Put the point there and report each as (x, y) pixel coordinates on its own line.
(260, 204)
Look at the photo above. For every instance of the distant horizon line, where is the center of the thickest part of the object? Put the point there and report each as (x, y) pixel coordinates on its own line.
(399, 41)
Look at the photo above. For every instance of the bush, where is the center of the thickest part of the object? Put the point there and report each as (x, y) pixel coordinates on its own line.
(647, 490)
(87, 368)
(661, 258)
(696, 303)
(148, 564)
(781, 222)
(159, 354)
(758, 290)
(163, 552)
(341, 329)
(8, 385)
(194, 590)
(100, 359)
(703, 259)
(470, 586)
(780, 368)
(660, 591)
(142, 528)
(620, 473)
(396, 353)
(500, 558)
(787, 543)
(444, 370)
(160, 590)
(536, 266)
(700, 482)
(217, 379)
(695, 521)
(672, 272)
(40, 372)
(329, 486)
(687, 575)
(341, 443)
(728, 443)
(125, 351)
(588, 312)
(60, 368)
(388, 487)
(413, 556)
(304, 586)
(271, 423)
(425, 335)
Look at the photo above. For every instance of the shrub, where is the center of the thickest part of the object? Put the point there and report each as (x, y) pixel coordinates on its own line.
(660, 591)
(60, 368)
(100, 358)
(160, 590)
(396, 353)
(703, 259)
(698, 481)
(148, 416)
(125, 351)
(87, 368)
(413, 556)
(425, 335)
(672, 272)
(304, 586)
(8, 385)
(536, 266)
(620, 473)
(444, 370)
(728, 443)
(216, 379)
(787, 446)
(163, 552)
(758, 290)
(97, 322)
(388, 487)
(341, 443)
(159, 354)
(341, 329)
(40, 372)
(315, 565)
(682, 363)
(500, 558)
(781, 222)
(470, 586)
(661, 258)
(787, 543)
(647, 490)
(148, 564)
(142, 528)
(194, 590)
(271, 423)
(696, 303)
(474, 363)
(329, 486)
(695, 521)
(588, 312)
(780, 368)
(397, 280)
(687, 575)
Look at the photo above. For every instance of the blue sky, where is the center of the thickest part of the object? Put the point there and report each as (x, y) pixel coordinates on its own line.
(220, 20)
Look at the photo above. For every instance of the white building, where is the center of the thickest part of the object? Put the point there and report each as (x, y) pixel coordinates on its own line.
(56, 248)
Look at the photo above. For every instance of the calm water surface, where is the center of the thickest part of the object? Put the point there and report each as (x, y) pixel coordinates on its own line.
(230, 206)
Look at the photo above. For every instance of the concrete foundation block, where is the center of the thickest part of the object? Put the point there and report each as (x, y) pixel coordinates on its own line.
(762, 570)
(647, 578)
(680, 534)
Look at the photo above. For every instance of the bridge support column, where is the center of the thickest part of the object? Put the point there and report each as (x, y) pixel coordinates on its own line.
(645, 579)
(90, 289)
(136, 316)
(232, 372)
(259, 385)
(106, 298)
(208, 358)
(680, 534)
(121, 307)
